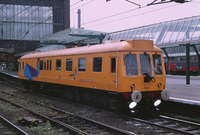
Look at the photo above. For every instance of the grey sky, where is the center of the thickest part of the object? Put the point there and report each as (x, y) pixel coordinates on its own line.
(117, 15)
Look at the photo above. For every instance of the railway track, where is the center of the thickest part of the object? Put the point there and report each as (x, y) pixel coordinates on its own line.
(72, 122)
(172, 124)
(7, 127)
(167, 124)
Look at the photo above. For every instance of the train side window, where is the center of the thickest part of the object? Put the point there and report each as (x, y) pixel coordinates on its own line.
(113, 65)
(47, 64)
(50, 64)
(97, 64)
(44, 65)
(58, 64)
(157, 64)
(41, 65)
(81, 64)
(68, 64)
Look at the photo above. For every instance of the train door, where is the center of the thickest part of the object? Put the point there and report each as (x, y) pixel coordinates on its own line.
(113, 73)
(21, 68)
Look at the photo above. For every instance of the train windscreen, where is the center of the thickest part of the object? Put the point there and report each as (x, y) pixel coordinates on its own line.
(131, 64)
(157, 64)
(145, 63)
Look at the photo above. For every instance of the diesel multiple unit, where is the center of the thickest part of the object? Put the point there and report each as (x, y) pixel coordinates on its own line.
(116, 75)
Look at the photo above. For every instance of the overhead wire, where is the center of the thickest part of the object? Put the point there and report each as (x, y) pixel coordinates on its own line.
(76, 3)
(130, 16)
(83, 4)
(77, 8)
(103, 18)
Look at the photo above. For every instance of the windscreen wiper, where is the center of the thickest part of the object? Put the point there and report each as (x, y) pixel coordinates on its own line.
(127, 55)
(148, 57)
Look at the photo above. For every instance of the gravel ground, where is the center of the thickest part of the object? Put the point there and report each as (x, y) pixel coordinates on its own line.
(106, 117)
(14, 114)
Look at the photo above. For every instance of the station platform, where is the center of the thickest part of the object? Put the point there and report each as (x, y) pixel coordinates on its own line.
(176, 85)
(180, 92)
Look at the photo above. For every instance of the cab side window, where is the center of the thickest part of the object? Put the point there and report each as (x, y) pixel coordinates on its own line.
(113, 65)
(58, 64)
(81, 64)
(97, 64)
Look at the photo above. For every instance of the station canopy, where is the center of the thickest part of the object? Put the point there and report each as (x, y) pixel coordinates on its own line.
(167, 35)
(74, 36)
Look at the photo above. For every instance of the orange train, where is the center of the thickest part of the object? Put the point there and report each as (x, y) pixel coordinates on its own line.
(116, 75)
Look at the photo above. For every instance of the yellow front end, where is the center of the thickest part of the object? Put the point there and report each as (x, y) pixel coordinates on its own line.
(141, 76)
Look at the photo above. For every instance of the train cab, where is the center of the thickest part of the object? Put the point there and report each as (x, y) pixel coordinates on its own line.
(143, 74)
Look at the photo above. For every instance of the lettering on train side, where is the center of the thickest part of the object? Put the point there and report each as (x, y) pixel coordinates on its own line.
(86, 80)
(74, 74)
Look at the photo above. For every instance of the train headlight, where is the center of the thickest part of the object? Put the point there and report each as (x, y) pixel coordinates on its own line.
(159, 84)
(157, 103)
(132, 105)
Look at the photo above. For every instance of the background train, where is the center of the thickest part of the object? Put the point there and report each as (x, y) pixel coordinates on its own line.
(116, 75)
(179, 67)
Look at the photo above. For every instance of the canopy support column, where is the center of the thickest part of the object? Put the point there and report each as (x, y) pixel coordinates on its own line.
(187, 64)
(198, 56)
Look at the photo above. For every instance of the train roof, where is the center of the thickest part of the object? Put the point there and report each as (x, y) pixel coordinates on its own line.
(115, 46)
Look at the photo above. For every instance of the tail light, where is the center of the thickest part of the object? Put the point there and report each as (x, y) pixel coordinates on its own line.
(127, 95)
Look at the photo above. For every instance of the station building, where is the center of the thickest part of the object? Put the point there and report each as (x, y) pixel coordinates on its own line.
(24, 22)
